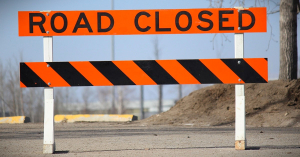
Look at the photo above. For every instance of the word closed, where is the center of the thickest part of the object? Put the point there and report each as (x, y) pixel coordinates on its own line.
(126, 22)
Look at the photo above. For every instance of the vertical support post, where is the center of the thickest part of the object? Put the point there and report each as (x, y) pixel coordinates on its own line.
(142, 114)
(113, 101)
(240, 116)
(179, 92)
(49, 144)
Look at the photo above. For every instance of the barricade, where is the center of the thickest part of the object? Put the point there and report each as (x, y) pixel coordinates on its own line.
(128, 22)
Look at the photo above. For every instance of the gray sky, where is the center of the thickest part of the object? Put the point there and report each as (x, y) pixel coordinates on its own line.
(130, 47)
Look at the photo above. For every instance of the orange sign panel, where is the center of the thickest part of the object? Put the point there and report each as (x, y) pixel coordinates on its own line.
(129, 22)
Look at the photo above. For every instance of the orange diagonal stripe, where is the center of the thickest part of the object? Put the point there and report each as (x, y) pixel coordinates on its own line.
(22, 85)
(134, 72)
(178, 72)
(260, 65)
(87, 70)
(221, 70)
(47, 74)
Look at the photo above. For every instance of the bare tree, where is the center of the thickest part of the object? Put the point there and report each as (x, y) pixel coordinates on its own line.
(86, 97)
(14, 87)
(14, 90)
(64, 98)
(68, 98)
(2, 76)
(39, 116)
(58, 101)
(16, 100)
(124, 95)
(33, 99)
(288, 39)
(31, 103)
(104, 96)
(7, 84)
(121, 107)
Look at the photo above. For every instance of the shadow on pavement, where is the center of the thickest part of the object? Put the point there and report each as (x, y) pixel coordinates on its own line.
(61, 152)
(273, 147)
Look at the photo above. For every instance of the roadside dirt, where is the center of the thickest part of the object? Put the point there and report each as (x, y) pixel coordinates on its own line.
(273, 104)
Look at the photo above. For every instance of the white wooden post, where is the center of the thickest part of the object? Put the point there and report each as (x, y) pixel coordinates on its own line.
(240, 119)
(49, 144)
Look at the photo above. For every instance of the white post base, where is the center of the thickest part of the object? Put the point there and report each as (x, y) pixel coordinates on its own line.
(49, 148)
(240, 145)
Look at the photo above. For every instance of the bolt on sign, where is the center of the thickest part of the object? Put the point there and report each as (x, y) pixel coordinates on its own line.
(130, 22)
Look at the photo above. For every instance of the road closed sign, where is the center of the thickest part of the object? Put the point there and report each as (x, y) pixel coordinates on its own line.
(130, 22)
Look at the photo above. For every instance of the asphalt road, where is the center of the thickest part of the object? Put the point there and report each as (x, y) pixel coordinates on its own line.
(112, 139)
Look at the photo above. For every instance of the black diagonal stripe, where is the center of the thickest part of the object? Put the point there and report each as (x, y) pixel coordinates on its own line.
(112, 73)
(244, 71)
(30, 78)
(156, 72)
(69, 74)
(199, 71)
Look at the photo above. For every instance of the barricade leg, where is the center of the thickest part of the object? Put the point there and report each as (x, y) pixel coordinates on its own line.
(240, 116)
(49, 143)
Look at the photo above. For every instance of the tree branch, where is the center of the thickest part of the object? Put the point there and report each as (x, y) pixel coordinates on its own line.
(212, 40)
(273, 12)
(271, 36)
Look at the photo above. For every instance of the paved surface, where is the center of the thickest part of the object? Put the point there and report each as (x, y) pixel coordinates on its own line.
(106, 139)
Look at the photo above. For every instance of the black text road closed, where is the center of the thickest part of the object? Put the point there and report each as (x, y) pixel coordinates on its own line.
(127, 22)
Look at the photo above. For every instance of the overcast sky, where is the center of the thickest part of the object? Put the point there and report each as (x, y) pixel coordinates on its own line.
(131, 47)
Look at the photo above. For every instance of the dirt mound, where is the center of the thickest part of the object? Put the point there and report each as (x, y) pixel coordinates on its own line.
(274, 104)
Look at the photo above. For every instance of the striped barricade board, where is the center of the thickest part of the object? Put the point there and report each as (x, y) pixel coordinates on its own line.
(143, 72)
